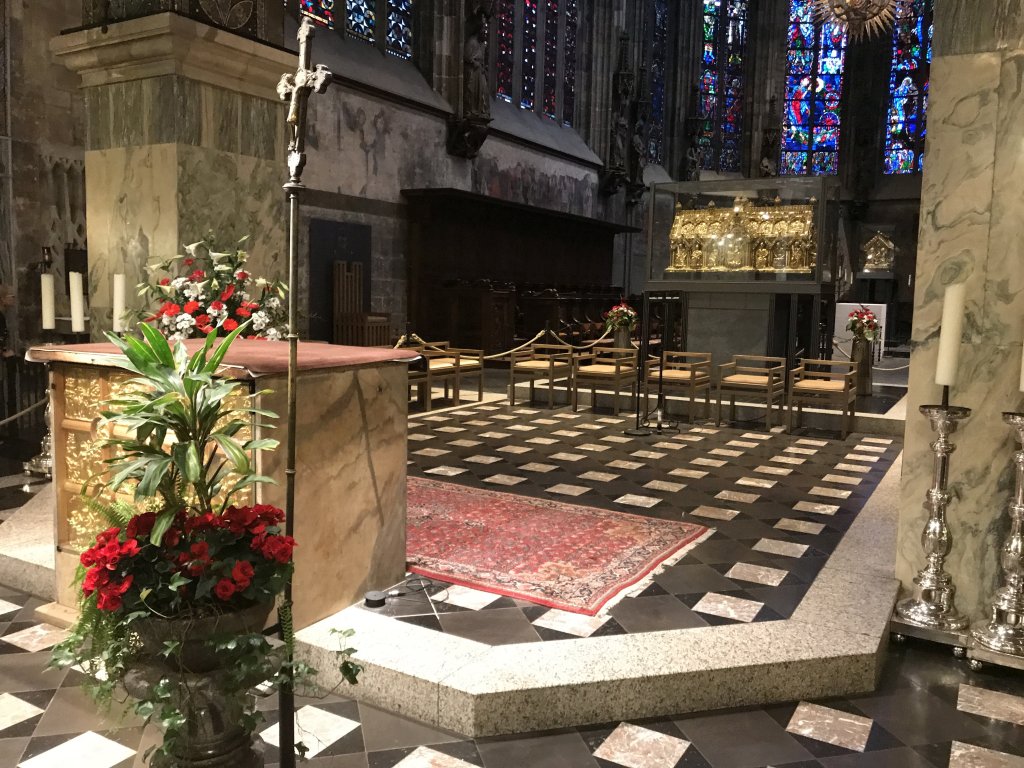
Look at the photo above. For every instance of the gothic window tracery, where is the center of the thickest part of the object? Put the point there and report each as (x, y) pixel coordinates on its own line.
(533, 55)
(721, 85)
(816, 54)
(905, 127)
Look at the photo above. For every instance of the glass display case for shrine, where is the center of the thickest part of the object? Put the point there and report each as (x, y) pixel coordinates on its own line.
(745, 266)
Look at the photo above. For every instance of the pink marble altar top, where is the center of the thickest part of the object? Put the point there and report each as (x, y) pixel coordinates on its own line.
(246, 357)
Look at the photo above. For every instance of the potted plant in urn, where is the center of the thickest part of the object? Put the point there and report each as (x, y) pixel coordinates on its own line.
(620, 320)
(175, 593)
(863, 325)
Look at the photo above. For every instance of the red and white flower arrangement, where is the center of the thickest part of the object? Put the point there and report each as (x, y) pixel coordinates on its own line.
(205, 290)
(863, 324)
(620, 316)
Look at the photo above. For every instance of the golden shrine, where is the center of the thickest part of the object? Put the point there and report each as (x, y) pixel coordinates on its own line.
(743, 238)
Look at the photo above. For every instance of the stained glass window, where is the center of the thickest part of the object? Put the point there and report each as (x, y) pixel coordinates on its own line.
(659, 49)
(908, 88)
(569, 81)
(361, 20)
(505, 48)
(720, 89)
(321, 11)
(533, 54)
(529, 53)
(551, 58)
(399, 40)
(814, 86)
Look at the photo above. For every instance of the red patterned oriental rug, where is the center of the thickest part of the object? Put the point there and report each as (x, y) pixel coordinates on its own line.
(565, 556)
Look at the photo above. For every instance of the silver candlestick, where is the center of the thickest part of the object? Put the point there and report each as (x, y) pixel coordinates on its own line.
(1004, 630)
(933, 606)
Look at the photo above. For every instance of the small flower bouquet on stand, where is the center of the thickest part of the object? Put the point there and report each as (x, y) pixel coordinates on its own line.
(621, 321)
(205, 290)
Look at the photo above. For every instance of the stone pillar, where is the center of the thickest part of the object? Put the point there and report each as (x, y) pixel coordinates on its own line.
(972, 230)
(185, 136)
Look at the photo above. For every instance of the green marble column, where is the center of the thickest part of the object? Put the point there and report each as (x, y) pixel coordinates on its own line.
(972, 230)
(185, 136)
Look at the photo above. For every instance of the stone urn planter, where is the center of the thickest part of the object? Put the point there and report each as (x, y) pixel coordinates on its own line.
(621, 337)
(862, 354)
(205, 686)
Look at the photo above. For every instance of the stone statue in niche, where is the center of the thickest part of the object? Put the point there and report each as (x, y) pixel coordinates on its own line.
(769, 165)
(468, 131)
(476, 99)
(639, 143)
(614, 174)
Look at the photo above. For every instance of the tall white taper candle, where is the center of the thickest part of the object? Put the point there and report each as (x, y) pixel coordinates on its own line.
(77, 302)
(47, 301)
(949, 334)
(1022, 373)
(118, 302)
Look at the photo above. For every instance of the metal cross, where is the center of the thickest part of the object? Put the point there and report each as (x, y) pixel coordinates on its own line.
(296, 89)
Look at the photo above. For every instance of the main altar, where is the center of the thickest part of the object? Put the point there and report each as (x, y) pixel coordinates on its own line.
(351, 459)
(745, 266)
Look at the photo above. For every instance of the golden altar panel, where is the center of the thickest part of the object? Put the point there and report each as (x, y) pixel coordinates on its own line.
(350, 499)
(743, 238)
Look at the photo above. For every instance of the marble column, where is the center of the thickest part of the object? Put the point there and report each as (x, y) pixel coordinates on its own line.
(972, 230)
(185, 137)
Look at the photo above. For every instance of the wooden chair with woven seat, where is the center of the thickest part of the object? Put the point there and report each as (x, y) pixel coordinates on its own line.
(752, 375)
(823, 382)
(686, 372)
(550, 362)
(607, 368)
(445, 365)
(470, 363)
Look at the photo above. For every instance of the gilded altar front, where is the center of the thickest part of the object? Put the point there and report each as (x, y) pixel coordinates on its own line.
(743, 238)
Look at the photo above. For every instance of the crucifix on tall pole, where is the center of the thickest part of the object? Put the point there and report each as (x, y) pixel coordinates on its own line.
(295, 89)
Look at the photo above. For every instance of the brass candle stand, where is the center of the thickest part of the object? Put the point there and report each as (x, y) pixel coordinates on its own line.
(931, 614)
(1003, 632)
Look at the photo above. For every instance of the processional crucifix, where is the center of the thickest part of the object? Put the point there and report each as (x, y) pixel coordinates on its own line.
(296, 90)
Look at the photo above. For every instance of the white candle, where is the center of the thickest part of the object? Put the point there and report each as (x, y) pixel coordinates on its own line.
(949, 334)
(46, 297)
(118, 302)
(77, 302)
(1022, 373)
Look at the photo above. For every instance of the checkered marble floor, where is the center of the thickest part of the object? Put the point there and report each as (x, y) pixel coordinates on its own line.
(779, 504)
(930, 711)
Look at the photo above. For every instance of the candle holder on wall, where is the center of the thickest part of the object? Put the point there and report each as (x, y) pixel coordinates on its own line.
(1003, 632)
(932, 607)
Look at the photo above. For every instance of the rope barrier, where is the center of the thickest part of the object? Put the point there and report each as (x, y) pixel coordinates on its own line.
(564, 343)
(841, 351)
(19, 414)
(498, 355)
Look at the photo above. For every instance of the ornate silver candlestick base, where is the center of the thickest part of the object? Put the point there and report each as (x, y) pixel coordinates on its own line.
(43, 463)
(1004, 630)
(932, 606)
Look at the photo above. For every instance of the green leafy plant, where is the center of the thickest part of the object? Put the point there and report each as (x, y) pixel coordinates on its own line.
(177, 397)
(182, 581)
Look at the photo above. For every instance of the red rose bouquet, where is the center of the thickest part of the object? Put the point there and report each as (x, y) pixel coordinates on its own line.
(233, 560)
(205, 290)
(863, 324)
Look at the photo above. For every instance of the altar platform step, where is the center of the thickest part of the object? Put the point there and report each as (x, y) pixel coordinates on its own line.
(27, 545)
(832, 645)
